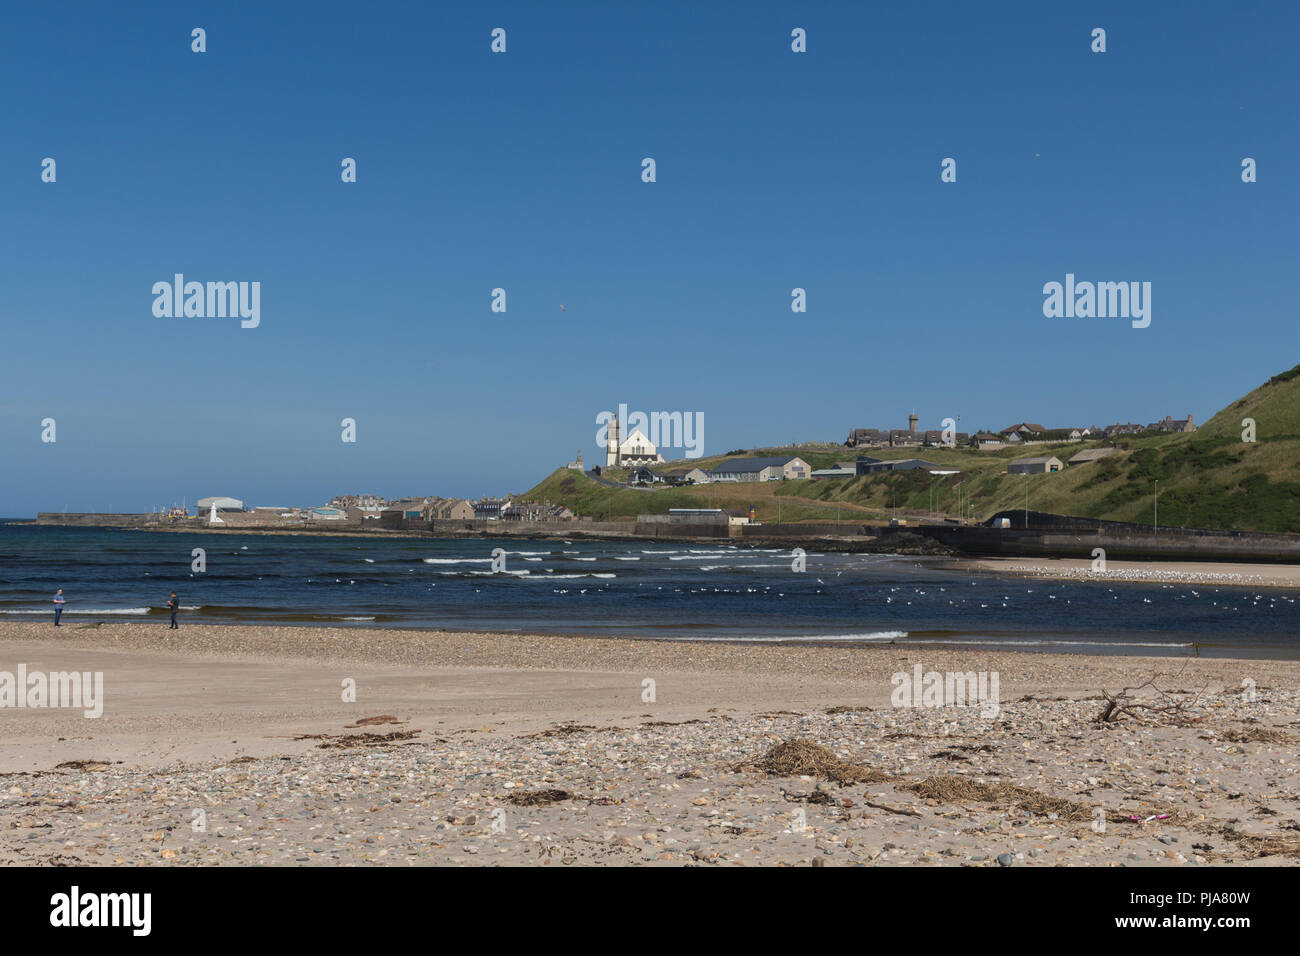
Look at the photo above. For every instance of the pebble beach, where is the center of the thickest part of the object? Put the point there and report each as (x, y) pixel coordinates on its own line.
(237, 745)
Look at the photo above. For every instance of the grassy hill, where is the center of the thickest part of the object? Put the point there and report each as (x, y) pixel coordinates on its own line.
(1209, 478)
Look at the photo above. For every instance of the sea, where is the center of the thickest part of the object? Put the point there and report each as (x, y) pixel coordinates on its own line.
(623, 589)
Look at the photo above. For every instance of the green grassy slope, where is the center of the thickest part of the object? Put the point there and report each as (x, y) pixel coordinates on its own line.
(1209, 478)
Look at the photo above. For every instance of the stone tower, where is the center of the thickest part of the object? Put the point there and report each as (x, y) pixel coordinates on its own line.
(612, 456)
(911, 423)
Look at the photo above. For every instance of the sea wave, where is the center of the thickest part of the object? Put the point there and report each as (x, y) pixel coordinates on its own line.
(90, 610)
(489, 574)
(794, 638)
(556, 577)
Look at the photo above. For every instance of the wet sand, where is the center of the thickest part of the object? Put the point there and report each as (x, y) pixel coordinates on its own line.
(1236, 574)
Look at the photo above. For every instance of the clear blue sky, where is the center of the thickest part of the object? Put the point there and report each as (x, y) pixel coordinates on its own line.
(523, 171)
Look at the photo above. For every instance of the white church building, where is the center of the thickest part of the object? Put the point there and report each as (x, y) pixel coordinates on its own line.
(635, 449)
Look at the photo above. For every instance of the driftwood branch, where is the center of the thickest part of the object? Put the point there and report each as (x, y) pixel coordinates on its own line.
(901, 811)
(1123, 704)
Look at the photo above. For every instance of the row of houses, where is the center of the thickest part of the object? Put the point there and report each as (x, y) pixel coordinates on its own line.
(909, 437)
(485, 509)
(777, 469)
(1168, 424)
(362, 502)
(362, 508)
(903, 438)
(1030, 433)
(1027, 431)
(507, 509)
(1019, 433)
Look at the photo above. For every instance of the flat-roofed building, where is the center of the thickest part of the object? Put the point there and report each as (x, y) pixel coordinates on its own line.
(761, 469)
(1034, 466)
(1089, 454)
(842, 469)
(903, 464)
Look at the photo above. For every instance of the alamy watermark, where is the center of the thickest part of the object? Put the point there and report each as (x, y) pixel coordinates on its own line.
(75, 908)
(75, 690)
(213, 300)
(950, 689)
(662, 429)
(1102, 300)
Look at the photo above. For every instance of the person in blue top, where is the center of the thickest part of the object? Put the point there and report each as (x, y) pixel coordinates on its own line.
(173, 604)
(58, 606)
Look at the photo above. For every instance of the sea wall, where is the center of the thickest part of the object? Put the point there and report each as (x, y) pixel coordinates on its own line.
(682, 526)
(96, 520)
(1128, 543)
(582, 527)
(799, 531)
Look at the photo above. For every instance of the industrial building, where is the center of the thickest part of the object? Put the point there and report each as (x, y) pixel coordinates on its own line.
(220, 503)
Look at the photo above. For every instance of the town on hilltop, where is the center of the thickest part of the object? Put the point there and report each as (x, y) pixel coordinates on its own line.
(1020, 433)
(640, 458)
(633, 461)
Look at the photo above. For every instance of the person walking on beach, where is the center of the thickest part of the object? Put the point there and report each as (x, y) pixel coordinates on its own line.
(174, 603)
(58, 606)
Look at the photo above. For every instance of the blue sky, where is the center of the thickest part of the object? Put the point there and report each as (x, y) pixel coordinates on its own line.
(522, 170)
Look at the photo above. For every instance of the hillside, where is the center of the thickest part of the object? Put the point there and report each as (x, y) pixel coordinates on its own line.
(1209, 478)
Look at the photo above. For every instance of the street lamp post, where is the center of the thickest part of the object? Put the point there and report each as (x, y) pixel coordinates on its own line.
(1155, 520)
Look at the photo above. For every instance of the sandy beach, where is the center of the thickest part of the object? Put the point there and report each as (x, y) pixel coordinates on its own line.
(1206, 573)
(234, 745)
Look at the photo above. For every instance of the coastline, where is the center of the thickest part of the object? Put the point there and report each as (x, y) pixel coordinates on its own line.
(248, 726)
(1206, 573)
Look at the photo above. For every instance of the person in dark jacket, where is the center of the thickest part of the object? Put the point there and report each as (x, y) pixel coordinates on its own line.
(174, 603)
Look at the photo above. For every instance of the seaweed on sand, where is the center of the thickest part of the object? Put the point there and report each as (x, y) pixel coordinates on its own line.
(954, 789)
(539, 798)
(800, 758)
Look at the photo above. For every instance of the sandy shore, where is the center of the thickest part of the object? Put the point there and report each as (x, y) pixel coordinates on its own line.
(1207, 573)
(221, 745)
